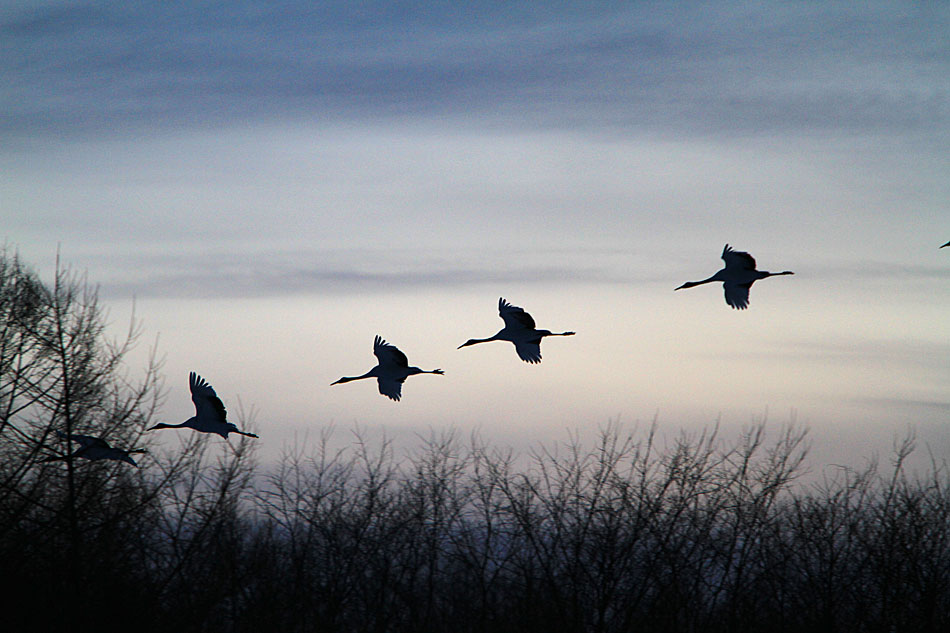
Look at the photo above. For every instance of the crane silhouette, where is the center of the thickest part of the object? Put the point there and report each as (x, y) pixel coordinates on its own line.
(95, 448)
(947, 244)
(392, 370)
(210, 414)
(737, 277)
(520, 330)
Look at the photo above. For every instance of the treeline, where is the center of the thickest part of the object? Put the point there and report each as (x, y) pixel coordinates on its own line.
(630, 534)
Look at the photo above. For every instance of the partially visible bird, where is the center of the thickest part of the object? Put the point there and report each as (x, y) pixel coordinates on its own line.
(519, 329)
(93, 448)
(947, 244)
(392, 370)
(737, 277)
(210, 414)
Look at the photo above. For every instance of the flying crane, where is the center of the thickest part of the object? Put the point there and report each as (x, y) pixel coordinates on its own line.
(520, 330)
(210, 414)
(391, 371)
(737, 277)
(95, 448)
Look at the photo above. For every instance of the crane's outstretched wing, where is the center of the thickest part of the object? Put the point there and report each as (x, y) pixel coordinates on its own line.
(513, 316)
(737, 259)
(85, 441)
(737, 295)
(529, 351)
(389, 354)
(207, 402)
(117, 454)
(125, 457)
(391, 387)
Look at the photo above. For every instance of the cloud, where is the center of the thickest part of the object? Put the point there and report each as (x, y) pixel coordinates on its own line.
(699, 68)
(921, 356)
(280, 274)
(909, 403)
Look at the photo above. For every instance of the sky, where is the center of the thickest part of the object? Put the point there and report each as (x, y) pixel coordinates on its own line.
(271, 185)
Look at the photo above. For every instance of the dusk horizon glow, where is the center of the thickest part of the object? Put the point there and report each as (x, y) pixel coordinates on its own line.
(273, 186)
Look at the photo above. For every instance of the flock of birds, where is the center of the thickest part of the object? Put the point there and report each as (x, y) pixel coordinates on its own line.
(392, 368)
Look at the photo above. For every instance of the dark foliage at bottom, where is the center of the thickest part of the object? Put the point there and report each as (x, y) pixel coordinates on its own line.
(702, 535)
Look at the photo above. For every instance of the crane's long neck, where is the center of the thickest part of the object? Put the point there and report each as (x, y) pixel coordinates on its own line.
(690, 284)
(475, 341)
(547, 333)
(784, 272)
(163, 425)
(369, 374)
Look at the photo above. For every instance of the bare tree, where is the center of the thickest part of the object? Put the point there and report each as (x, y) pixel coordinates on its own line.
(62, 376)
